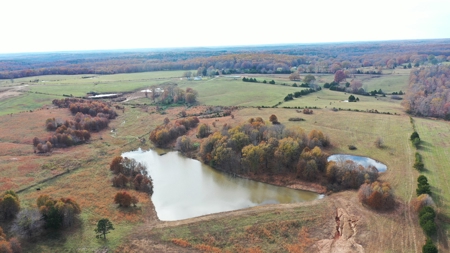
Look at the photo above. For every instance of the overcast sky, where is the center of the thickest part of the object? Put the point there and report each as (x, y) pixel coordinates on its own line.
(60, 25)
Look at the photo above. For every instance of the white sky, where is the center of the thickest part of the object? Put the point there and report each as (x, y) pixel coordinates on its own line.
(59, 25)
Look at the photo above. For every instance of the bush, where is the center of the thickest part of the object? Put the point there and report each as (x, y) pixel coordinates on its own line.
(377, 195)
(429, 247)
(296, 119)
(426, 220)
(421, 201)
(379, 142)
(418, 164)
(352, 147)
(422, 186)
(416, 142)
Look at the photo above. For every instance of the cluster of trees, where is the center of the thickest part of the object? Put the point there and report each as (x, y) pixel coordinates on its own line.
(130, 173)
(58, 213)
(398, 93)
(428, 92)
(377, 195)
(125, 199)
(49, 214)
(87, 107)
(164, 134)
(352, 98)
(11, 246)
(251, 80)
(172, 94)
(346, 174)
(89, 117)
(252, 147)
(256, 148)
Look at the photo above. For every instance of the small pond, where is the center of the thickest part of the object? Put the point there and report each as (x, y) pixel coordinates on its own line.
(362, 160)
(186, 188)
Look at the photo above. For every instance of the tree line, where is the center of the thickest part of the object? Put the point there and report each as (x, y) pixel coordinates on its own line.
(164, 134)
(268, 59)
(427, 93)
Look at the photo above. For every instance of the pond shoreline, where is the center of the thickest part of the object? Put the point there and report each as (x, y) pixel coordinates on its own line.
(276, 180)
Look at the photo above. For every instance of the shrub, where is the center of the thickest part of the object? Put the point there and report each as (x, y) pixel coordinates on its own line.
(377, 195)
(418, 164)
(429, 247)
(414, 135)
(426, 220)
(296, 119)
(379, 142)
(422, 201)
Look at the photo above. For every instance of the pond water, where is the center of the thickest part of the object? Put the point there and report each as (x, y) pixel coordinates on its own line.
(364, 161)
(186, 188)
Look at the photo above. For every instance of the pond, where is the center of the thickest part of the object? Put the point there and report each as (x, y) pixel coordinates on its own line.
(362, 160)
(186, 188)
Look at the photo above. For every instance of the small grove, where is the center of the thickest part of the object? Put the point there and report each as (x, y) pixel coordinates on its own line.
(89, 116)
(130, 174)
(164, 134)
(28, 223)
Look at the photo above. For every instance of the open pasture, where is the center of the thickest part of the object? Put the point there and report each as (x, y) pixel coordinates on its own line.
(230, 92)
(326, 99)
(79, 85)
(435, 150)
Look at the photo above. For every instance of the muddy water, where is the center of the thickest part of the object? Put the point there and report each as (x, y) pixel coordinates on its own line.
(364, 161)
(186, 188)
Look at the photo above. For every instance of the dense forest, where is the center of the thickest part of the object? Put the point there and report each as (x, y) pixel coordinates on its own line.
(428, 93)
(310, 58)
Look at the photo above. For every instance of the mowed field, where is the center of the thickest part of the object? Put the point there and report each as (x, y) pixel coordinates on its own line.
(89, 179)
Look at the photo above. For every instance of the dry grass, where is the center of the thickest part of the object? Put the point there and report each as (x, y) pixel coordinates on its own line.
(251, 230)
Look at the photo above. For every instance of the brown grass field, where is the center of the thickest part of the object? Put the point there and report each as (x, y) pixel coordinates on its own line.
(302, 227)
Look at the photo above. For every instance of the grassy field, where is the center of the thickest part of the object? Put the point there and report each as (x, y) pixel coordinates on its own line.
(435, 150)
(79, 86)
(228, 92)
(88, 182)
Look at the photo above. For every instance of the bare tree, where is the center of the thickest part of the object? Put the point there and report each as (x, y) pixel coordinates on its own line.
(29, 223)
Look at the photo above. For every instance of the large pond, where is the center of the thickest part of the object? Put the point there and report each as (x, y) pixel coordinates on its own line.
(364, 161)
(186, 188)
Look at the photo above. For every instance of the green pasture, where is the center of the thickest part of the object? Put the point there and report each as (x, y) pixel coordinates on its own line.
(25, 102)
(79, 86)
(435, 150)
(230, 92)
(387, 83)
(327, 99)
